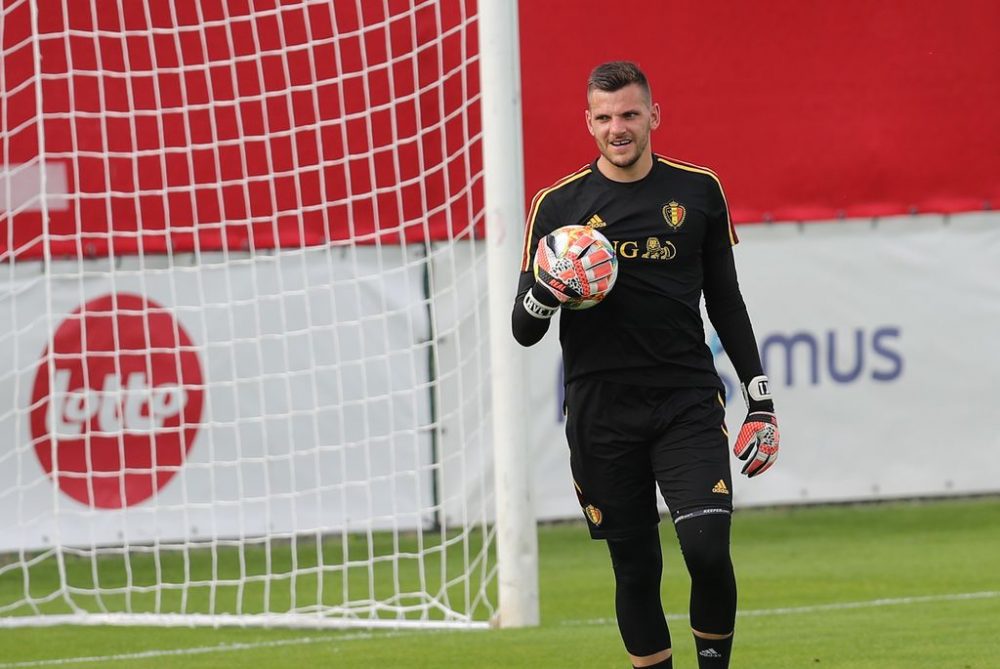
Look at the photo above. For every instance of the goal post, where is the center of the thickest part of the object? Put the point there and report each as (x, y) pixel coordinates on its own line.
(256, 269)
(503, 160)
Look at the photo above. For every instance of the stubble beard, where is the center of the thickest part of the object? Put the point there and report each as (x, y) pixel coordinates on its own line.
(625, 162)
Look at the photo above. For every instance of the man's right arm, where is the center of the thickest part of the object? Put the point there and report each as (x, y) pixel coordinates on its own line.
(534, 308)
(534, 305)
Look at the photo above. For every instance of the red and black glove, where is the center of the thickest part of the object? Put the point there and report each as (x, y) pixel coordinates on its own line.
(580, 272)
(758, 440)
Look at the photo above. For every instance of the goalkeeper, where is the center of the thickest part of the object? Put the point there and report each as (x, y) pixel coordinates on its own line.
(644, 403)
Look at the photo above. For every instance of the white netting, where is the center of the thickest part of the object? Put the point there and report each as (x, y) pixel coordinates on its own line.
(243, 365)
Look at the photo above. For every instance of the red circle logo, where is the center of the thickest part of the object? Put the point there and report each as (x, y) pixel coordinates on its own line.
(117, 401)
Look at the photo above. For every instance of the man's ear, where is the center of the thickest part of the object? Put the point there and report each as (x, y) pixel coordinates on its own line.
(654, 117)
(590, 126)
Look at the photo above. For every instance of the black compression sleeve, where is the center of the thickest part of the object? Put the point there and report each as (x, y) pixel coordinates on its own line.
(528, 329)
(638, 565)
(728, 313)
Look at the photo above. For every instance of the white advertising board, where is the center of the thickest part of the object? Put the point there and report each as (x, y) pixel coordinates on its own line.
(296, 396)
(876, 336)
(287, 394)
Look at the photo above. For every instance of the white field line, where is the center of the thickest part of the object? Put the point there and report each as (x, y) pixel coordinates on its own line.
(231, 647)
(198, 650)
(817, 608)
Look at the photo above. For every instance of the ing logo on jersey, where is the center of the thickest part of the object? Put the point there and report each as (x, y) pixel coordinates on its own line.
(673, 214)
(655, 249)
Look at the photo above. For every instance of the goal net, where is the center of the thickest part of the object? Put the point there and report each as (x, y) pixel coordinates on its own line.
(244, 365)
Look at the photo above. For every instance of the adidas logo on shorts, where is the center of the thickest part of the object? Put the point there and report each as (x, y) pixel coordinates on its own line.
(721, 488)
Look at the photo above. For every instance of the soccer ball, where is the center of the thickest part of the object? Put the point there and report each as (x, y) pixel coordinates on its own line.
(585, 260)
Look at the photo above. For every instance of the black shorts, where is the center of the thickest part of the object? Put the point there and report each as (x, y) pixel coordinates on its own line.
(625, 440)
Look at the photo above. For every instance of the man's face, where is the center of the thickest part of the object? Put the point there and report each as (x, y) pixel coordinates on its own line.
(621, 122)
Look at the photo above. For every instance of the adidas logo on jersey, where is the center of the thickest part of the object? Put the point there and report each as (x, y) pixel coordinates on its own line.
(721, 488)
(710, 652)
(596, 222)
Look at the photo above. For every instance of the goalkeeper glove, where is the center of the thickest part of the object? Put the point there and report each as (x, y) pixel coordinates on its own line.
(575, 274)
(540, 302)
(758, 440)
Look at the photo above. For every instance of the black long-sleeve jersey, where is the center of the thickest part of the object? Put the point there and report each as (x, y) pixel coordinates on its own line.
(673, 238)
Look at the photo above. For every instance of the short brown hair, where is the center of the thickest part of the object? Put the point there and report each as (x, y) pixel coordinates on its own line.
(615, 75)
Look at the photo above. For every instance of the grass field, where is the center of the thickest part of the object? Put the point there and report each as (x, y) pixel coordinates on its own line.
(900, 585)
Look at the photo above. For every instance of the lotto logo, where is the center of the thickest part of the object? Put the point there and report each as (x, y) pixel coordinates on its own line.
(140, 406)
(116, 402)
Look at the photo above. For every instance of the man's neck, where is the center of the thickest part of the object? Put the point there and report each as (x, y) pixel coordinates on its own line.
(634, 172)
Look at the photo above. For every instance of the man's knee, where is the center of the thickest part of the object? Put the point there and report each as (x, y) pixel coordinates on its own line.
(704, 540)
(637, 560)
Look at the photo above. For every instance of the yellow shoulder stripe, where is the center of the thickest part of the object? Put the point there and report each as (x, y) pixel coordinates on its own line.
(733, 239)
(533, 212)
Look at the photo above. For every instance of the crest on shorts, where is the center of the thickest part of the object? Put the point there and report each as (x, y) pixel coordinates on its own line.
(593, 514)
(674, 213)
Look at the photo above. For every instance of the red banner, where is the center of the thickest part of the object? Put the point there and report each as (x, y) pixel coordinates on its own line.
(210, 124)
(807, 110)
(235, 124)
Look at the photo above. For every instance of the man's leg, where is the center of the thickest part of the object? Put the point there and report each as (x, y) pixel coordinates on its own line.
(692, 469)
(609, 457)
(638, 565)
(704, 539)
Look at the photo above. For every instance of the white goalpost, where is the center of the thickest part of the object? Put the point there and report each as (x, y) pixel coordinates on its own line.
(256, 267)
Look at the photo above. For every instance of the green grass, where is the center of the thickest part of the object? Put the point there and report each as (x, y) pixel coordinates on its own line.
(843, 587)
(260, 576)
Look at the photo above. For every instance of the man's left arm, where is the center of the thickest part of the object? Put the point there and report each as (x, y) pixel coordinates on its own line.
(757, 442)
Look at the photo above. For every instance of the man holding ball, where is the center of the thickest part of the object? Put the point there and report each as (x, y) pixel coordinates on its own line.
(644, 403)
